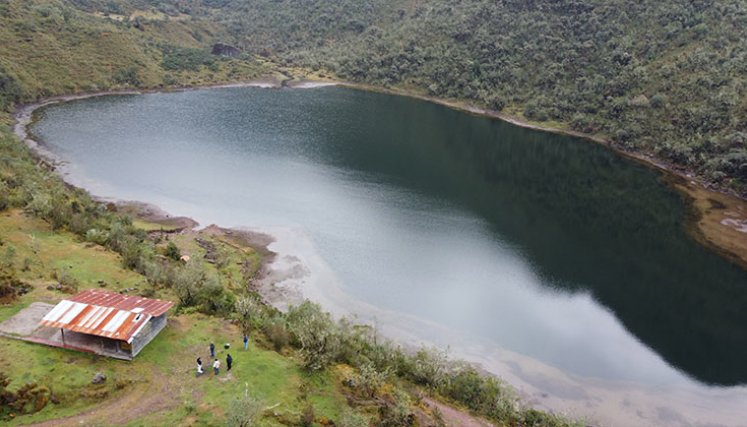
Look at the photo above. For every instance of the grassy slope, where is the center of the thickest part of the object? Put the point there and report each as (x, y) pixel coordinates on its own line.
(167, 364)
(159, 387)
(50, 48)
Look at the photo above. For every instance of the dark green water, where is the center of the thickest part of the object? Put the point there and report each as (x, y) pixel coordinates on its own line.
(548, 246)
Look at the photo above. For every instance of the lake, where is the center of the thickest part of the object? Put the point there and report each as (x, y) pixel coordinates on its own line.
(546, 249)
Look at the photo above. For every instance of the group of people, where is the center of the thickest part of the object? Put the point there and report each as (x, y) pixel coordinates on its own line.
(216, 362)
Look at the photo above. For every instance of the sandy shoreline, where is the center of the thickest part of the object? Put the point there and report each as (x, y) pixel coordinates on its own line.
(297, 272)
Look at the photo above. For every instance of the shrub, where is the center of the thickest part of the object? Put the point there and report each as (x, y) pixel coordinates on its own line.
(370, 380)
(68, 283)
(187, 283)
(131, 251)
(315, 333)
(352, 419)
(28, 399)
(172, 251)
(277, 333)
(213, 297)
(428, 367)
(4, 196)
(658, 100)
(127, 76)
(249, 312)
(480, 393)
(10, 90)
(396, 412)
(10, 286)
(8, 259)
(179, 59)
(307, 417)
(243, 412)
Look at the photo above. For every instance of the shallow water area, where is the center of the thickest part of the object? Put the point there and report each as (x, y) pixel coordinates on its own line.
(549, 260)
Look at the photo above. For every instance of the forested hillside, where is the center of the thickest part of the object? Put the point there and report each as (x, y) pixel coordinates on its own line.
(665, 78)
(52, 47)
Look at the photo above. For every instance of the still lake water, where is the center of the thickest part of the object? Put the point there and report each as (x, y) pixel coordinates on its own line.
(547, 246)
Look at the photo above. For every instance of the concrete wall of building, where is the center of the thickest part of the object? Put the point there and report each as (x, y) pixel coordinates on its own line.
(146, 335)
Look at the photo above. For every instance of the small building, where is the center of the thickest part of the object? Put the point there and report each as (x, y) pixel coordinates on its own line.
(106, 323)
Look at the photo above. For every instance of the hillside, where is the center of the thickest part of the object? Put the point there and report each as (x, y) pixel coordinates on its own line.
(58, 47)
(664, 78)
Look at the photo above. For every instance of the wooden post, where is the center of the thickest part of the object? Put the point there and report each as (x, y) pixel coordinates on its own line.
(62, 331)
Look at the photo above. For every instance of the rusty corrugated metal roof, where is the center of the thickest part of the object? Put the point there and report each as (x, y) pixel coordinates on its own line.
(105, 314)
(152, 306)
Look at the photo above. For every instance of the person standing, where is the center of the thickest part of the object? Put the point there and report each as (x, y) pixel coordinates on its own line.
(200, 371)
(212, 350)
(216, 367)
(246, 343)
(229, 362)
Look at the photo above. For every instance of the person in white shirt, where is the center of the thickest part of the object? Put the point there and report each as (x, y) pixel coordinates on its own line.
(200, 371)
(216, 367)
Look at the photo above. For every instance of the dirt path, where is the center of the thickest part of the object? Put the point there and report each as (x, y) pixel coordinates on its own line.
(155, 395)
(456, 418)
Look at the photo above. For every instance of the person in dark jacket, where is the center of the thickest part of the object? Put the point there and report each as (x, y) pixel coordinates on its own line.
(212, 350)
(229, 362)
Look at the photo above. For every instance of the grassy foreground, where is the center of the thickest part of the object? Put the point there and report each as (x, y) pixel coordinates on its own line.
(159, 387)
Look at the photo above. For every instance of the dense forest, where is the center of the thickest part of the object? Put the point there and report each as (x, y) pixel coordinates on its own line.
(666, 78)
(663, 78)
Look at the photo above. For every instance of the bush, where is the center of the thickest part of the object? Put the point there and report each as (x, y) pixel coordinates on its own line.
(180, 59)
(307, 417)
(28, 399)
(172, 251)
(658, 100)
(8, 259)
(395, 412)
(428, 367)
(277, 333)
(250, 313)
(482, 394)
(213, 297)
(10, 90)
(243, 412)
(352, 419)
(10, 286)
(370, 380)
(315, 333)
(68, 283)
(187, 283)
(127, 76)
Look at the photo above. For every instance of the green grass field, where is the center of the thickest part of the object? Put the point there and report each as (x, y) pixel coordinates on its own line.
(159, 387)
